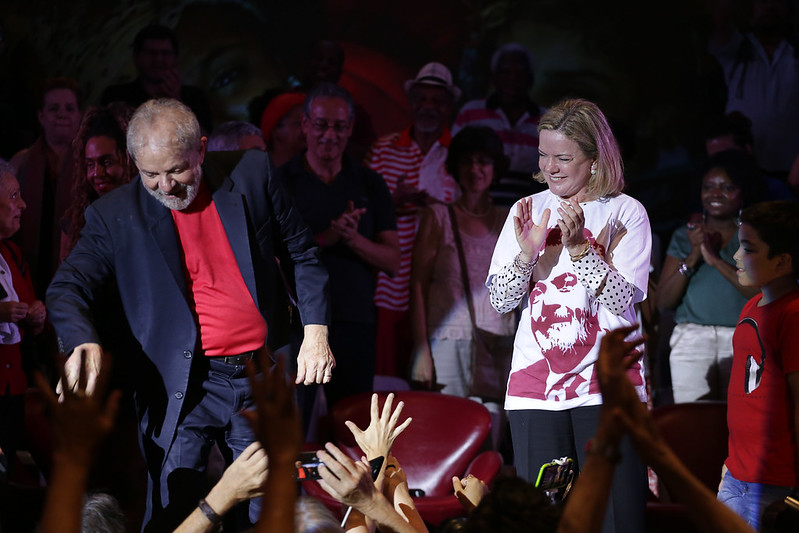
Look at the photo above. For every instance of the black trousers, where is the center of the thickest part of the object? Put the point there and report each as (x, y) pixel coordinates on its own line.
(540, 436)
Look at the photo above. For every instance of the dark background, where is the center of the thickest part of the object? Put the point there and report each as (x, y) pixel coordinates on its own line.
(645, 63)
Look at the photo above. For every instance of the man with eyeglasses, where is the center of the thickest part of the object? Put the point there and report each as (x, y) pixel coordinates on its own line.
(349, 210)
(412, 164)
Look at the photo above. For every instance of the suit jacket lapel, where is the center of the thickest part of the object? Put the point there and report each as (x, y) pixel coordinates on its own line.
(162, 228)
(232, 213)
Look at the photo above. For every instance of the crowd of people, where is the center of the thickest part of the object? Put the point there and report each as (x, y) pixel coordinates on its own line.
(488, 250)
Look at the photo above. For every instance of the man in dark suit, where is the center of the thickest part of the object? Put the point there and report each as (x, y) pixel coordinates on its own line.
(192, 249)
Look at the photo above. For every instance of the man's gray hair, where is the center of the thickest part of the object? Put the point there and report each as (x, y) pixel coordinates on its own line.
(328, 90)
(186, 132)
(227, 135)
(512, 48)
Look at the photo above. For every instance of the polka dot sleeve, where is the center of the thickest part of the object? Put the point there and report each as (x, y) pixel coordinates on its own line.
(507, 288)
(605, 284)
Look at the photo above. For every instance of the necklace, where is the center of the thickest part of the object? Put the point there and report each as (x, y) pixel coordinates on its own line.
(472, 213)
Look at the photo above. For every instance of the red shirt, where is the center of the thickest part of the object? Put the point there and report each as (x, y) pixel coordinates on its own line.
(760, 410)
(229, 320)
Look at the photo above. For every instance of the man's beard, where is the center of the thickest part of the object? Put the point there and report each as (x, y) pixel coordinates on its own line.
(174, 203)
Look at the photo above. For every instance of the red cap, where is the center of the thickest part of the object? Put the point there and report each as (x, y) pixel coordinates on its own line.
(277, 108)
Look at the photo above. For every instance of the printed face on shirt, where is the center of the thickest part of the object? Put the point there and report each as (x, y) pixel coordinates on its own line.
(565, 166)
(11, 206)
(327, 128)
(564, 331)
(169, 172)
(105, 168)
(755, 267)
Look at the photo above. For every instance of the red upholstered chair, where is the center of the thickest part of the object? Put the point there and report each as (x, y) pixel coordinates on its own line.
(697, 432)
(444, 440)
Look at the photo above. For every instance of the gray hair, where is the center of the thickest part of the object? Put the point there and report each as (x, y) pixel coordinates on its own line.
(311, 516)
(185, 129)
(328, 90)
(225, 137)
(512, 48)
(101, 513)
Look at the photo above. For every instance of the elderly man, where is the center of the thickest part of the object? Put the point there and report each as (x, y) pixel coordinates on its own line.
(412, 163)
(155, 56)
(514, 116)
(191, 248)
(348, 208)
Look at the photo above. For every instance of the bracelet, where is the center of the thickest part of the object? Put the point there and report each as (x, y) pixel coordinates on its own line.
(685, 270)
(209, 513)
(523, 268)
(582, 254)
(610, 452)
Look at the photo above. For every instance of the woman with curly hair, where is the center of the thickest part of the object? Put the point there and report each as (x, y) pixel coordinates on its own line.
(101, 165)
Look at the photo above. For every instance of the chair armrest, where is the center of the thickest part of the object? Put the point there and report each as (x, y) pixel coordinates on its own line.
(485, 466)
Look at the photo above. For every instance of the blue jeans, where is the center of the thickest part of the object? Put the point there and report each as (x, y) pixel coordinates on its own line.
(749, 500)
(210, 414)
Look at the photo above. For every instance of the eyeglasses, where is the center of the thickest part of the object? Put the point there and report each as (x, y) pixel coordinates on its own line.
(321, 126)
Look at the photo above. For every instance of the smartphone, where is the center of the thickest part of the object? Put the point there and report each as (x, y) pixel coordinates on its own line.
(556, 474)
(308, 466)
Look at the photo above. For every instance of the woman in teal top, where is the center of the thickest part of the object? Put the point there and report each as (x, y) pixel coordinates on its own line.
(699, 283)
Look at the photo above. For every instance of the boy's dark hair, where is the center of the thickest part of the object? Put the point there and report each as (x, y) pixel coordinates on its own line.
(155, 31)
(512, 506)
(777, 224)
(473, 140)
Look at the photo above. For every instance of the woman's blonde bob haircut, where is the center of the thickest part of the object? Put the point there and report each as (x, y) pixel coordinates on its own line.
(582, 122)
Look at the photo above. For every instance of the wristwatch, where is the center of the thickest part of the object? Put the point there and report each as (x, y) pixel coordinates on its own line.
(685, 270)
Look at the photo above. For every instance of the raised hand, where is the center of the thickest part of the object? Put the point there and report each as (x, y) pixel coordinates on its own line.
(529, 235)
(348, 481)
(616, 356)
(571, 224)
(469, 491)
(245, 477)
(378, 438)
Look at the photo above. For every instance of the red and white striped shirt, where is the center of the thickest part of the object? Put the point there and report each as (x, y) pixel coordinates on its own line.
(520, 140)
(394, 156)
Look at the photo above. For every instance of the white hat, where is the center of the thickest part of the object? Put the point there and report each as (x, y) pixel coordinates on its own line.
(434, 74)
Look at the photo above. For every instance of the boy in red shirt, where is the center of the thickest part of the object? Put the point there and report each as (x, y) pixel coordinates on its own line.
(763, 397)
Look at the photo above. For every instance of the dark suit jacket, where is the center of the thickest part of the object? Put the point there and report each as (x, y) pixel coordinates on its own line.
(130, 236)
